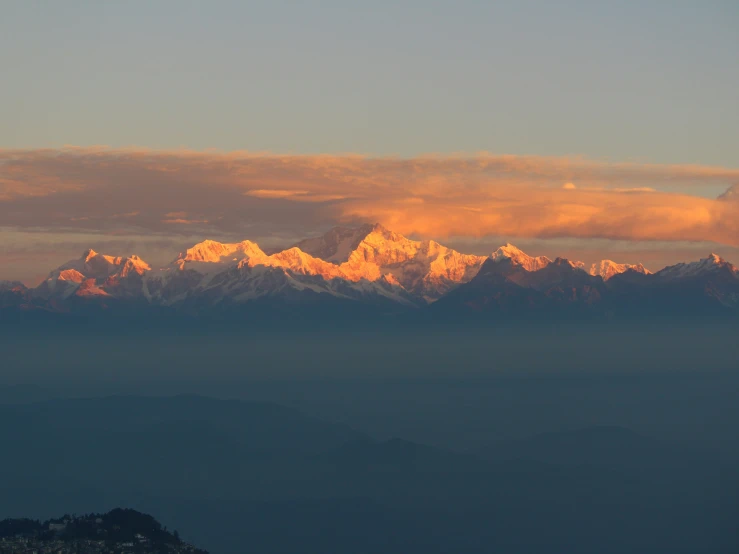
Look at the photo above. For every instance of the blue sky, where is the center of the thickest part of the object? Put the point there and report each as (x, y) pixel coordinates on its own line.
(638, 81)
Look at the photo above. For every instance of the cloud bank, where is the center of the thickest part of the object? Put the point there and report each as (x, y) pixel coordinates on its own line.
(252, 194)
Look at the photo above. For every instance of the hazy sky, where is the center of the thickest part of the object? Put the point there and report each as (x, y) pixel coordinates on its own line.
(649, 81)
(586, 129)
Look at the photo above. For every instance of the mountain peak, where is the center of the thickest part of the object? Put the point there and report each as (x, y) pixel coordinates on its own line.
(510, 249)
(213, 251)
(338, 243)
(71, 275)
(520, 258)
(608, 268)
(380, 228)
(565, 262)
(300, 262)
(373, 252)
(16, 286)
(378, 234)
(710, 265)
(366, 263)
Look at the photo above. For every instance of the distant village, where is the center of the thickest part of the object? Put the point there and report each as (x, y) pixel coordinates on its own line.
(117, 532)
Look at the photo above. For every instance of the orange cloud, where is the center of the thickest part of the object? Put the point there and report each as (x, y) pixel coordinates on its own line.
(275, 193)
(296, 195)
(183, 221)
(564, 213)
(244, 194)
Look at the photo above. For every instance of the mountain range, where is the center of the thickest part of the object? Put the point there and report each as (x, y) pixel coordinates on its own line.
(373, 268)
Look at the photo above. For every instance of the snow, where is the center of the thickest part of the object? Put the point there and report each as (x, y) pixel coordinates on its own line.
(210, 251)
(520, 258)
(608, 268)
(710, 264)
(369, 261)
(71, 275)
(337, 244)
(94, 274)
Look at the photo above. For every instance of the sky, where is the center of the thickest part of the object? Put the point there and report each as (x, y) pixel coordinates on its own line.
(587, 129)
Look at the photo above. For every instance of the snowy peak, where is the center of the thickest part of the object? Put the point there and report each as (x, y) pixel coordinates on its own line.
(520, 258)
(134, 264)
(99, 266)
(445, 262)
(508, 251)
(369, 264)
(71, 275)
(297, 261)
(337, 244)
(712, 264)
(373, 252)
(608, 268)
(425, 268)
(211, 251)
(569, 263)
(382, 248)
(94, 274)
(368, 243)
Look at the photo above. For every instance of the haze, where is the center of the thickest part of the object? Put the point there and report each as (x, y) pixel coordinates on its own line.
(361, 276)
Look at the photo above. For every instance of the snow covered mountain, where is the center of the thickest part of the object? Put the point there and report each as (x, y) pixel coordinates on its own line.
(519, 258)
(371, 266)
(711, 266)
(95, 274)
(424, 268)
(215, 273)
(504, 285)
(709, 278)
(607, 269)
(337, 244)
(367, 264)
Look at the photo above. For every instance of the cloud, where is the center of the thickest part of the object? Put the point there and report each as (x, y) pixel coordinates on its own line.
(571, 186)
(275, 193)
(633, 189)
(564, 213)
(297, 195)
(251, 195)
(183, 221)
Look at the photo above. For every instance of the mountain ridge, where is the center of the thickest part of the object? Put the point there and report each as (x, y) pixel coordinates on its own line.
(368, 265)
